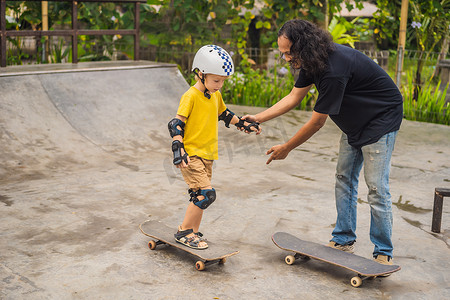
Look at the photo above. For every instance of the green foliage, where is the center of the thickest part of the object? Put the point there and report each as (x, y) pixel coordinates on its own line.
(186, 24)
(58, 52)
(429, 106)
(338, 28)
(386, 23)
(262, 88)
(432, 19)
(239, 27)
(102, 16)
(433, 15)
(276, 12)
(27, 14)
(189, 22)
(16, 55)
(430, 24)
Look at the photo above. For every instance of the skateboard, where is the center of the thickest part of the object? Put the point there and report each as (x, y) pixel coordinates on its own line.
(163, 234)
(363, 267)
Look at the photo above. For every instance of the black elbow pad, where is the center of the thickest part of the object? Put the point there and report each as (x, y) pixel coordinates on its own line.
(173, 127)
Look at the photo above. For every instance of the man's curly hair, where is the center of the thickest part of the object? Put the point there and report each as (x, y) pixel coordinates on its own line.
(310, 45)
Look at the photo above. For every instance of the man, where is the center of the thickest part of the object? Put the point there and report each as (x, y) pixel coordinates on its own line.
(365, 104)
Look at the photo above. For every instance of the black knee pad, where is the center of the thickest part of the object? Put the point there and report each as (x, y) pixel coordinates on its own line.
(209, 194)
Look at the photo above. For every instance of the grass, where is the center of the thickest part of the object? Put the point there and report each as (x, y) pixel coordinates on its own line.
(430, 106)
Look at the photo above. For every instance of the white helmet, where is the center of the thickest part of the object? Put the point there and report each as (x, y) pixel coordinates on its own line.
(212, 59)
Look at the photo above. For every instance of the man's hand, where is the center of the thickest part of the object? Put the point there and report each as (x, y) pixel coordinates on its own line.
(278, 152)
(249, 118)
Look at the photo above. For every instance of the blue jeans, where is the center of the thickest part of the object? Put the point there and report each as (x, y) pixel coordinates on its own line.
(376, 159)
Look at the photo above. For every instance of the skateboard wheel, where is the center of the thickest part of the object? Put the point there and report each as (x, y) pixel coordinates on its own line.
(199, 265)
(356, 281)
(222, 260)
(152, 245)
(290, 259)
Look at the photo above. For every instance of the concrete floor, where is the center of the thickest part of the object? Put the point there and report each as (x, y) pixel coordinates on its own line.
(86, 158)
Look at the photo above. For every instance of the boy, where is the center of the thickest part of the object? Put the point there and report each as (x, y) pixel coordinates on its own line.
(195, 139)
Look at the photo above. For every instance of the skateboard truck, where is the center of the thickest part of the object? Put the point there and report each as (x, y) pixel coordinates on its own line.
(290, 259)
(152, 244)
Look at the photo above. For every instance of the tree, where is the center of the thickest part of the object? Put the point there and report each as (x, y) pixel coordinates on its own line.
(430, 24)
(276, 12)
(386, 23)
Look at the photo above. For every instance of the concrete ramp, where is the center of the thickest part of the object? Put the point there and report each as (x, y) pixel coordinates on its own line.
(70, 116)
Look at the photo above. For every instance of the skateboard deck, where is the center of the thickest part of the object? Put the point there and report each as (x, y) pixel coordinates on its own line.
(365, 268)
(163, 234)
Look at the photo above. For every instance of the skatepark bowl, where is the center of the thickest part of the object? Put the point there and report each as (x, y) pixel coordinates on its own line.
(85, 158)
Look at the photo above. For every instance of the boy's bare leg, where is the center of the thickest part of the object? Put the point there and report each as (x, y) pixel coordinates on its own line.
(193, 217)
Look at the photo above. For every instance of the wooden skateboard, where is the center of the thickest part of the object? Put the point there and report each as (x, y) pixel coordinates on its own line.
(363, 267)
(163, 234)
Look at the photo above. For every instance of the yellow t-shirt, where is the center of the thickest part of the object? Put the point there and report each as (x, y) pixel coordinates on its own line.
(201, 130)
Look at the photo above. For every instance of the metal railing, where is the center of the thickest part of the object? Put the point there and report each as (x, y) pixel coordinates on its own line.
(73, 33)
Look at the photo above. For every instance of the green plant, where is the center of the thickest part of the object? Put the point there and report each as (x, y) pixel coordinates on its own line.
(430, 25)
(240, 25)
(262, 88)
(16, 55)
(58, 53)
(276, 12)
(338, 29)
(386, 23)
(430, 104)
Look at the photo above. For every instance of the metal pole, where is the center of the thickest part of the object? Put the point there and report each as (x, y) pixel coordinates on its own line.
(437, 212)
(439, 194)
(398, 70)
(44, 9)
(74, 32)
(3, 33)
(401, 41)
(136, 28)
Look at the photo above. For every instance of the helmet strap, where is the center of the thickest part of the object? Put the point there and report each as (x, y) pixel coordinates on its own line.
(202, 79)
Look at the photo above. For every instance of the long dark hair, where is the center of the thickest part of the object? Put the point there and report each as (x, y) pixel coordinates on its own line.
(310, 45)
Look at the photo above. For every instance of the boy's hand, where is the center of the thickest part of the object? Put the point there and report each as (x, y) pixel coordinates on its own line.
(183, 163)
(253, 126)
(248, 126)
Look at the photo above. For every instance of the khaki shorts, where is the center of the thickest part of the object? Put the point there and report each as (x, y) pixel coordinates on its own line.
(198, 173)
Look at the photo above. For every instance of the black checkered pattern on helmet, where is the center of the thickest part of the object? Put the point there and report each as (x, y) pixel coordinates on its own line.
(227, 62)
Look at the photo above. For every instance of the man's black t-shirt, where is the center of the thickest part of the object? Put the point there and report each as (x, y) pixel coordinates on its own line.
(358, 95)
